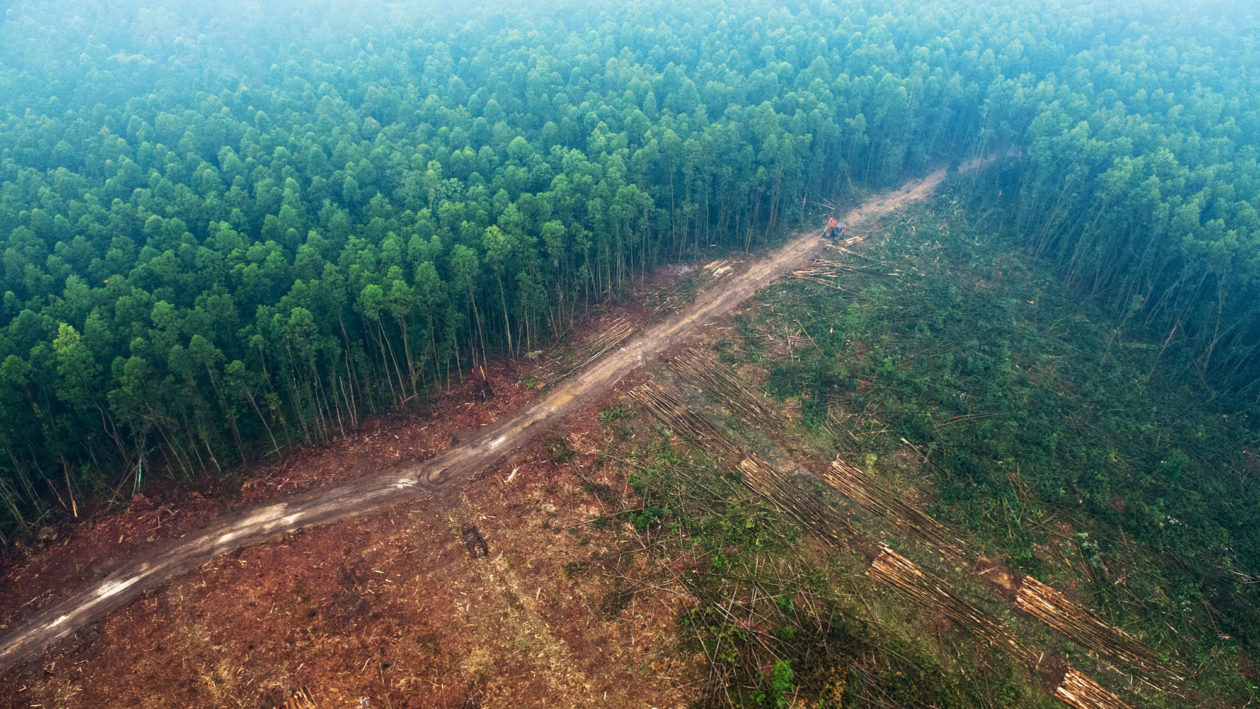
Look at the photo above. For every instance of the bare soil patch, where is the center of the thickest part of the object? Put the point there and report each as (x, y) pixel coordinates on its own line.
(30, 574)
(393, 609)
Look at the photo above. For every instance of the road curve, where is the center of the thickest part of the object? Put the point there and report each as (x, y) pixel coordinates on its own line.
(441, 473)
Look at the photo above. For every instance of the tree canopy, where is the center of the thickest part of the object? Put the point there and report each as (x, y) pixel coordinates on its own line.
(228, 228)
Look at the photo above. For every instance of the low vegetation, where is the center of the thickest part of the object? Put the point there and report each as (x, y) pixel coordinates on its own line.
(958, 367)
(775, 623)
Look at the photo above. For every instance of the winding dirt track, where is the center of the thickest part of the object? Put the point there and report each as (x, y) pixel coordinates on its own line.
(439, 474)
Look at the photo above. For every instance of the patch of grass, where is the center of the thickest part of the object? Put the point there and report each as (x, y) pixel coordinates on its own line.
(617, 419)
(558, 449)
(725, 351)
(648, 517)
(777, 685)
(613, 414)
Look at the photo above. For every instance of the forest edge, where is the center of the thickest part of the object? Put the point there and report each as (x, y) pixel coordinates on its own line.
(440, 475)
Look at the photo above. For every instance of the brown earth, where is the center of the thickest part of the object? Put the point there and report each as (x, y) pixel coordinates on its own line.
(998, 576)
(550, 645)
(395, 610)
(81, 551)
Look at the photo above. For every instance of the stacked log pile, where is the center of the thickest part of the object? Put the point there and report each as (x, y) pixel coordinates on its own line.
(1082, 627)
(720, 385)
(591, 349)
(859, 487)
(1078, 690)
(681, 419)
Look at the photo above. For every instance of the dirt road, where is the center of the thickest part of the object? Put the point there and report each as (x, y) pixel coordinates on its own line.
(438, 475)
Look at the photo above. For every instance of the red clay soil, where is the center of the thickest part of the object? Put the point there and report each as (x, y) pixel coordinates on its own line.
(86, 549)
(393, 609)
(77, 551)
(391, 590)
(999, 577)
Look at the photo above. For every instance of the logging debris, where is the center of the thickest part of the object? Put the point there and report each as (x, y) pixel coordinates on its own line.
(1078, 690)
(725, 388)
(800, 505)
(859, 487)
(681, 419)
(694, 283)
(591, 349)
(934, 594)
(1080, 625)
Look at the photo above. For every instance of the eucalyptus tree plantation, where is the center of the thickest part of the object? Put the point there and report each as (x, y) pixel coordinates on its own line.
(230, 228)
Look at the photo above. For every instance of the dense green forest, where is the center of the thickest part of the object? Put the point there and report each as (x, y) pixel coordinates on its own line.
(230, 228)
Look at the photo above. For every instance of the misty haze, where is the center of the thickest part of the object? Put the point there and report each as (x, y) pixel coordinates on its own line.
(629, 354)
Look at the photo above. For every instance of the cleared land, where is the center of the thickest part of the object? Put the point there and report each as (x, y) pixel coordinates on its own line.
(441, 474)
